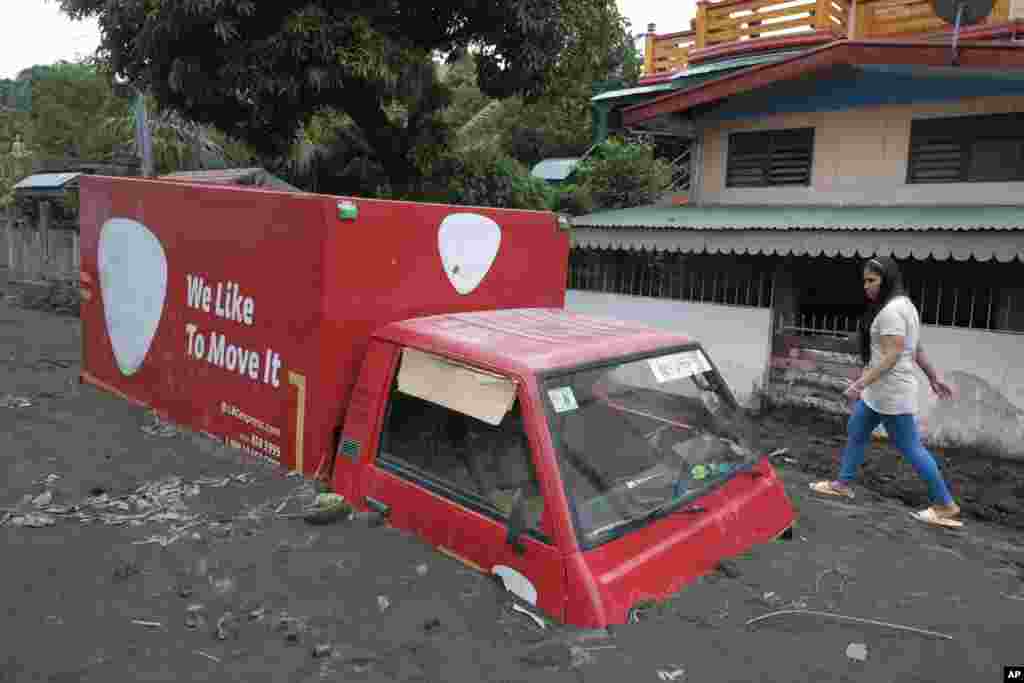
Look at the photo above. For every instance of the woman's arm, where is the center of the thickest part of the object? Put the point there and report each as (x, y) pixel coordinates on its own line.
(942, 389)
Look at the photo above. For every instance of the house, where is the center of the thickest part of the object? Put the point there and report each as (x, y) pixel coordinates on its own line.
(811, 151)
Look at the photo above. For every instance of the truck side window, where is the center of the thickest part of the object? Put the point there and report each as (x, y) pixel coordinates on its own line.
(474, 463)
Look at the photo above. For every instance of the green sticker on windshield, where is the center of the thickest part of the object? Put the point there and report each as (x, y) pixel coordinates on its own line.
(699, 471)
(562, 399)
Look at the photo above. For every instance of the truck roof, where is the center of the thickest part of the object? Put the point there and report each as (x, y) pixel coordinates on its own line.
(528, 340)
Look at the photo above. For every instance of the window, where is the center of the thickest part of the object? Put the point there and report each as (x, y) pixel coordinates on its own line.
(478, 465)
(967, 149)
(770, 158)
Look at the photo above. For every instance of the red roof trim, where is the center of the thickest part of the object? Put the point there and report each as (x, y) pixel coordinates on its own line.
(734, 48)
(875, 52)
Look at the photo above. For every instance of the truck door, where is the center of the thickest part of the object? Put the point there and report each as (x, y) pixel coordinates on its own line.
(453, 453)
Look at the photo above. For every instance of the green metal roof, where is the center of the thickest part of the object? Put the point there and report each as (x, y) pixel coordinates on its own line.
(695, 74)
(640, 90)
(902, 218)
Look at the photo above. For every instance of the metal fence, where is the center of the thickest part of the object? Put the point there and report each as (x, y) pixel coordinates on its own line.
(697, 278)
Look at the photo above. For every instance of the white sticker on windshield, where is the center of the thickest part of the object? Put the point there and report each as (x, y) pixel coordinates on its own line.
(678, 365)
(562, 399)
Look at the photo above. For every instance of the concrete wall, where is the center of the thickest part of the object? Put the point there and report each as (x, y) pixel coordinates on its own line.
(860, 157)
(736, 338)
(986, 369)
(38, 253)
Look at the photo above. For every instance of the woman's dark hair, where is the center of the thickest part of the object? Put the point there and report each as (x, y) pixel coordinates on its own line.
(892, 286)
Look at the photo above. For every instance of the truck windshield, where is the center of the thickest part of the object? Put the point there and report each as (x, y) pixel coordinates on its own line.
(640, 439)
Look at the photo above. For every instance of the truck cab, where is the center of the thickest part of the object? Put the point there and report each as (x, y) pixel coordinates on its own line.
(588, 464)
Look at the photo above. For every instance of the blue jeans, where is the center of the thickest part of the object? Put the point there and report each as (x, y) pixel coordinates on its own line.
(902, 430)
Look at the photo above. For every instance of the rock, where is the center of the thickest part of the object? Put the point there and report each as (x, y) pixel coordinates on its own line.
(857, 651)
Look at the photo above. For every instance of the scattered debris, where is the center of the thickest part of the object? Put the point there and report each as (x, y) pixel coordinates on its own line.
(677, 674)
(857, 651)
(321, 651)
(159, 428)
(290, 626)
(832, 615)
(227, 626)
(10, 401)
(537, 620)
(195, 617)
(147, 624)
(35, 520)
(328, 507)
(207, 655)
(382, 602)
(43, 499)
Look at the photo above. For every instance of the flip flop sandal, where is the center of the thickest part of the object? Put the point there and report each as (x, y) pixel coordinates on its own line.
(929, 516)
(826, 488)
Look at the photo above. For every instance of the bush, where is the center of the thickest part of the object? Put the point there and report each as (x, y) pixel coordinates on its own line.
(619, 175)
(485, 178)
(575, 200)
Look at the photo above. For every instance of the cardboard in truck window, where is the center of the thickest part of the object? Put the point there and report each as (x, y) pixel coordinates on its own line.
(678, 365)
(483, 395)
(562, 399)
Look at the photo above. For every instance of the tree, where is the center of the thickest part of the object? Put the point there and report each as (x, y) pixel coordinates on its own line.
(71, 104)
(259, 71)
(599, 55)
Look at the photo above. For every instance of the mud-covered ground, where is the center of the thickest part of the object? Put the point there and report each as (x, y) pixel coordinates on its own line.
(164, 556)
(987, 487)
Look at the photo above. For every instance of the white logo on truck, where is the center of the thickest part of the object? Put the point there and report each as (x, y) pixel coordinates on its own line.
(468, 244)
(133, 280)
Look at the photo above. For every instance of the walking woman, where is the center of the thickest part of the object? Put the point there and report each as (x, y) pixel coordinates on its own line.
(886, 392)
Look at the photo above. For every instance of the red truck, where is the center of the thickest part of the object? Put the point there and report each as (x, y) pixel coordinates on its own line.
(420, 355)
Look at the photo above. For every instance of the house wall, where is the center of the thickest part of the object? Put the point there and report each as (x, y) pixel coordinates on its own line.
(860, 157)
(737, 338)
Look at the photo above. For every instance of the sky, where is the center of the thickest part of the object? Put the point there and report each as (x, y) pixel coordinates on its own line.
(40, 34)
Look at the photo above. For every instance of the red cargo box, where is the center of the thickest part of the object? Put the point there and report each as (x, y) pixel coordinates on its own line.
(245, 313)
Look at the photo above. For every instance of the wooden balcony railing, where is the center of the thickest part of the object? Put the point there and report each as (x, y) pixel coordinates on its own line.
(667, 52)
(730, 21)
(726, 27)
(901, 18)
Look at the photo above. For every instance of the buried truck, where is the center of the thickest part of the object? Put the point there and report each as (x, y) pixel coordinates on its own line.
(419, 357)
